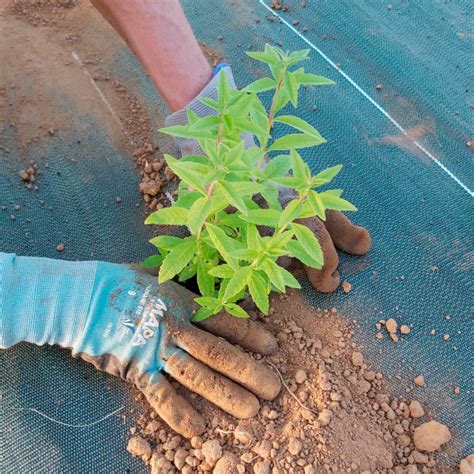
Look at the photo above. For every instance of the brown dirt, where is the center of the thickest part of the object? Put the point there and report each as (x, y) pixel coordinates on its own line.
(39, 40)
(342, 420)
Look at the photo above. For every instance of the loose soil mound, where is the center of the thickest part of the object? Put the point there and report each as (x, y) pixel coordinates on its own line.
(333, 415)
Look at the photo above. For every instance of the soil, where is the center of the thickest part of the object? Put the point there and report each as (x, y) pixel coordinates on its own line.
(334, 413)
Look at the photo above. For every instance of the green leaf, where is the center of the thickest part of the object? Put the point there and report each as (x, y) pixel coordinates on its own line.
(187, 273)
(289, 279)
(273, 272)
(295, 140)
(223, 88)
(253, 237)
(223, 243)
(291, 212)
(332, 200)
(153, 261)
(165, 242)
(202, 314)
(267, 217)
(263, 57)
(317, 204)
(300, 253)
(185, 131)
(291, 87)
(272, 197)
(191, 173)
(277, 166)
(234, 197)
(261, 85)
(245, 254)
(177, 259)
(252, 127)
(198, 213)
(308, 79)
(211, 103)
(258, 291)
(301, 170)
(326, 175)
(222, 271)
(206, 282)
(301, 125)
(205, 123)
(187, 198)
(237, 282)
(236, 310)
(308, 241)
(169, 216)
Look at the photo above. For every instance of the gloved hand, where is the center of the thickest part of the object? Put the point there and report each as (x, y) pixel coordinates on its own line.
(337, 231)
(121, 321)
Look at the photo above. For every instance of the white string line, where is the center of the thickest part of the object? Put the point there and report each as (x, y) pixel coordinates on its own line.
(59, 422)
(102, 96)
(372, 101)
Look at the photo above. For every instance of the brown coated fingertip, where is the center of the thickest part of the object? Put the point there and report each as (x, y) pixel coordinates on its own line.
(362, 242)
(323, 281)
(175, 411)
(247, 333)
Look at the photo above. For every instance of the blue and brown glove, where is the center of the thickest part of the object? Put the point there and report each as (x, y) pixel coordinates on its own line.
(121, 321)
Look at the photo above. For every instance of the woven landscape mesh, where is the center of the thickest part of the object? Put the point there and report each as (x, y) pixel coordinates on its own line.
(419, 215)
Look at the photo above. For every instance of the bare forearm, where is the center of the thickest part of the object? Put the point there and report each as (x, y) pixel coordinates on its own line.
(159, 34)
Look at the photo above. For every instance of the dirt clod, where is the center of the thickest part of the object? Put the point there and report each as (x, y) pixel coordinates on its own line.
(416, 409)
(431, 436)
(346, 287)
(60, 247)
(466, 466)
(137, 446)
(391, 326)
(212, 451)
(404, 329)
(419, 380)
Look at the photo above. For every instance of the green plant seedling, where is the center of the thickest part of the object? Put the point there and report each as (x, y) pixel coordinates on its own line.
(226, 194)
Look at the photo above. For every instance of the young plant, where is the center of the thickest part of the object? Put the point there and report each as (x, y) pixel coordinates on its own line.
(220, 190)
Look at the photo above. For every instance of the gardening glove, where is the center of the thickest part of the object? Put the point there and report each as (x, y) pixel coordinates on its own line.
(337, 231)
(122, 322)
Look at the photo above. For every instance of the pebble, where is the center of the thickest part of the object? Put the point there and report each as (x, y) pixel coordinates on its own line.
(391, 326)
(416, 410)
(404, 329)
(346, 287)
(300, 376)
(261, 467)
(212, 451)
(227, 464)
(60, 247)
(419, 380)
(466, 466)
(294, 446)
(159, 464)
(357, 358)
(243, 433)
(137, 446)
(324, 417)
(263, 449)
(431, 436)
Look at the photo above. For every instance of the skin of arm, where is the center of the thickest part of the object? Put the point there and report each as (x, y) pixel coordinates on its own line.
(160, 36)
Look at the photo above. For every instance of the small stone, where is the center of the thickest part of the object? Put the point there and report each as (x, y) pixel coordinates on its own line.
(466, 466)
(180, 458)
(419, 380)
(457, 390)
(294, 446)
(404, 329)
(379, 335)
(300, 376)
(118, 199)
(379, 87)
(159, 464)
(419, 458)
(403, 440)
(357, 358)
(346, 287)
(431, 436)
(60, 247)
(309, 469)
(138, 446)
(243, 433)
(227, 464)
(196, 442)
(391, 326)
(272, 415)
(212, 451)
(445, 337)
(416, 410)
(261, 467)
(324, 417)
(263, 449)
